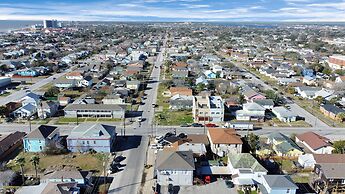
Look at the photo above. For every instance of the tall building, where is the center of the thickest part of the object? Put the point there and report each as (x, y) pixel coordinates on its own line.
(208, 109)
(50, 24)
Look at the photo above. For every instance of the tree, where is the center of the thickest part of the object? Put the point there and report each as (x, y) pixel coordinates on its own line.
(319, 100)
(21, 162)
(339, 147)
(327, 71)
(253, 142)
(52, 92)
(3, 110)
(200, 87)
(241, 99)
(35, 161)
(290, 90)
(270, 94)
(341, 116)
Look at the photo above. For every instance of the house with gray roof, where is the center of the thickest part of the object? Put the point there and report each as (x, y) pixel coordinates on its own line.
(181, 102)
(43, 136)
(87, 136)
(284, 115)
(283, 145)
(175, 167)
(274, 184)
(245, 169)
(95, 110)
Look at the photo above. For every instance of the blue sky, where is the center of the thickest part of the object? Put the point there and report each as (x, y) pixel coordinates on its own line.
(175, 10)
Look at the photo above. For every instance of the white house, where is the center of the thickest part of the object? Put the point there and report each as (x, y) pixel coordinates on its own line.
(98, 137)
(175, 168)
(224, 141)
(284, 115)
(251, 112)
(245, 169)
(277, 184)
(315, 143)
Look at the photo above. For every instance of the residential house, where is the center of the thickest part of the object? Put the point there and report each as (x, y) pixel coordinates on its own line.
(250, 94)
(224, 141)
(47, 109)
(179, 74)
(174, 168)
(43, 136)
(251, 112)
(268, 104)
(277, 184)
(10, 143)
(50, 188)
(307, 91)
(245, 169)
(315, 143)
(309, 160)
(28, 73)
(133, 85)
(309, 81)
(178, 90)
(70, 175)
(95, 110)
(98, 137)
(63, 100)
(113, 99)
(283, 145)
(331, 111)
(284, 115)
(193, 142)
(210, 74)
(330, 178)
(201, 80)
(181, 102)
(208, 108)
(30, 102)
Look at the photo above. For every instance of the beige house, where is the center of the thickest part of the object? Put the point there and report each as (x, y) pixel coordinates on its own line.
(224, 141)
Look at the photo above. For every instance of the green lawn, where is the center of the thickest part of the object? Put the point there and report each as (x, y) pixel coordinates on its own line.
(64, 120)
(251, 192)
(84, 161)
(173, 118)
(301, 177)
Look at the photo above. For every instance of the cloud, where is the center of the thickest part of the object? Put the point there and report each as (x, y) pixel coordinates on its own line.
(177, 10)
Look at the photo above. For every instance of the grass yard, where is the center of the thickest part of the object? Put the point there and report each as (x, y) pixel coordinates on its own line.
(64, 120)
(301, 177)
(251, 192)
(55, 162)
(174, 118)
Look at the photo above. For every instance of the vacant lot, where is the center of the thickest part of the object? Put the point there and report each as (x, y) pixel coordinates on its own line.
(55, 162)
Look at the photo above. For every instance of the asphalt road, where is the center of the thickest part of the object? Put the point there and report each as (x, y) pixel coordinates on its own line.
(17, 95)
(134, 146)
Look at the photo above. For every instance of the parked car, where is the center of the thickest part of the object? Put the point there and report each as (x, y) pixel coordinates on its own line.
(119, 159)
(229, 184)
(158, 138)
(197, 125)
(210, 125)
(185, 125)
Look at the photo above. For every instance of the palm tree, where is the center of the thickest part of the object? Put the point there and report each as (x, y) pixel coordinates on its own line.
(35, 161)
(21, 162)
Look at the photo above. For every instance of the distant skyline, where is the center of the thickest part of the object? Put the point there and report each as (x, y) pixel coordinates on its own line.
(176, 10)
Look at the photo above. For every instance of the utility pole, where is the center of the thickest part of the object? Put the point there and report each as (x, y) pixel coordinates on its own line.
(124, 126)
(204, 122)
(29, 124)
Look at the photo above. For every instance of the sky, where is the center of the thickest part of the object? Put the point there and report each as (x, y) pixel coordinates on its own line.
(175, 10)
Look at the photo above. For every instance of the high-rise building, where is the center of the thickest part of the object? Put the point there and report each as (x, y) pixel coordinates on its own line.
(50, 24)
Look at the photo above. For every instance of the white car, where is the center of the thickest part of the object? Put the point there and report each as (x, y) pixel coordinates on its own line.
(153, 146)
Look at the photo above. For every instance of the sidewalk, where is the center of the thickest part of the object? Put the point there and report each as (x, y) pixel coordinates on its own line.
(148, 180)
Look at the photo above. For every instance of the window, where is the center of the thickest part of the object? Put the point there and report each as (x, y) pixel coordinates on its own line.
(87, 142)
(94, 142)
(288, 191)
(83, 142)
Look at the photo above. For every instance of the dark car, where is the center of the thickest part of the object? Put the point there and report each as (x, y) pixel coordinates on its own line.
(182, 135)
(229, 184)
(197, 125)
(119, 159)
(169, 134)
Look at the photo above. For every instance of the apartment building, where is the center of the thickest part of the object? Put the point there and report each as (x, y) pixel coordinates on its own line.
(208, 109)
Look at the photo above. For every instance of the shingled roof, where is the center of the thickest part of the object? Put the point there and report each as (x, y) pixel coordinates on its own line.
(171, 160)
